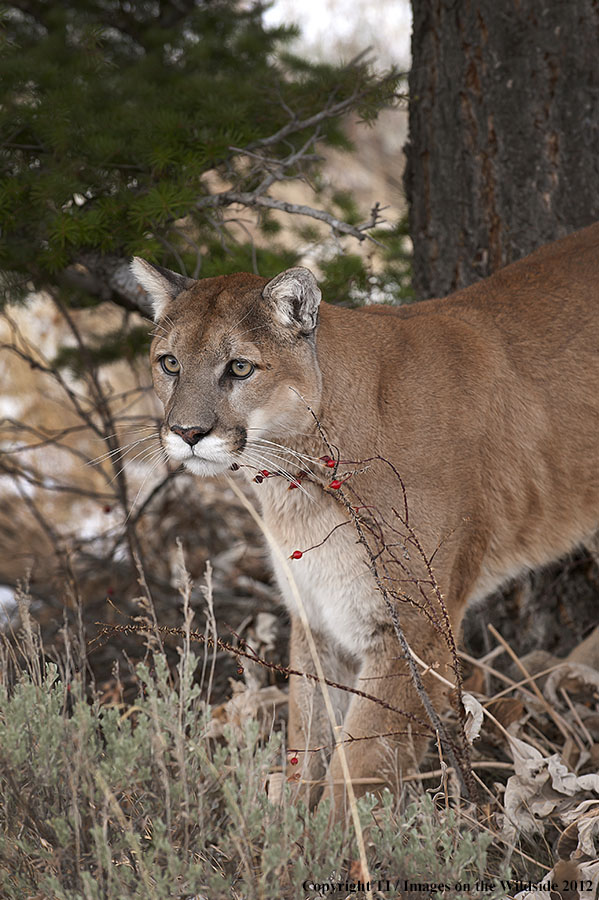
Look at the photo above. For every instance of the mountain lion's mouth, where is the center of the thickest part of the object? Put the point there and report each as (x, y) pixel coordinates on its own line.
(208, 457)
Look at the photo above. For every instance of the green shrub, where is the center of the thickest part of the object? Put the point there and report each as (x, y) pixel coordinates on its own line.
(138, 801)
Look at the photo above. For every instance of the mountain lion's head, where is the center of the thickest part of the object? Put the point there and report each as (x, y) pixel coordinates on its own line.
(233, 362)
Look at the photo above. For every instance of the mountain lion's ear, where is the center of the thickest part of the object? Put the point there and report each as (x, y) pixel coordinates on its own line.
(161, 285)
(295, 296)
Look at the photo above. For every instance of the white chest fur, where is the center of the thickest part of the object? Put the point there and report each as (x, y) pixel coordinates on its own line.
(334, 582)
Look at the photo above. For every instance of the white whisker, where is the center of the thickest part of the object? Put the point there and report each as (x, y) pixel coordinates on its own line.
(162, 458)
(158, 324)
(261, 461)
(243, 318)
(150, 451)
(122, 450)
(286, 449)
(249, 330)
(119, 434)
(283, 457)
(290, 456)
(290, 431)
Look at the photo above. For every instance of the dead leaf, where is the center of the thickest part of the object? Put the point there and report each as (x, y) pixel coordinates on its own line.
(265, 630)
(586, 872)
(274, 787)
(581, 835)
(474, 717)
(579, 680)
(540, 786)
(587, 652)
(571, 753)
(507, 710)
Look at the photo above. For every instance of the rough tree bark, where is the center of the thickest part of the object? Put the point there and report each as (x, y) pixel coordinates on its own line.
(504, 133)
(502, 157)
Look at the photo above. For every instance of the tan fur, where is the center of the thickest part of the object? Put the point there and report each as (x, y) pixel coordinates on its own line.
(487, 404)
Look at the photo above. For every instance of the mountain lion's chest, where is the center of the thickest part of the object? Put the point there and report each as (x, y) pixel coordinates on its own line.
(333, 579)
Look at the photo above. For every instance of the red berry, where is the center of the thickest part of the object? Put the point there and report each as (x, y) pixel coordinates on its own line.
(335, 484)
(325, 459)
(294, 484)
(294, 760)
(258, 479)
(107, 509)
(297, 554)
(265, 472)
(330, 463)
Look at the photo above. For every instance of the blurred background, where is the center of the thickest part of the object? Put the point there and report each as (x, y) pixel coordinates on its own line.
(86, 502)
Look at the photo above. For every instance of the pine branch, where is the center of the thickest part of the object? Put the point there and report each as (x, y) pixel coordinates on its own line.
(331, 111)
(108, 277)
(170, 15)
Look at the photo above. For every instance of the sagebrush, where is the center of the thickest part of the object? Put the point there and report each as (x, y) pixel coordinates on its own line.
(106, 800)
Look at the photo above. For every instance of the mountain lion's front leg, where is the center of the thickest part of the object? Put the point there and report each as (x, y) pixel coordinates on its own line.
(388, 744)
(310, 734)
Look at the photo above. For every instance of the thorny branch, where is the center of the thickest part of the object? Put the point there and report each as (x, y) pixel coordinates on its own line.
(459, 757)
(96, 414)
(246, 652)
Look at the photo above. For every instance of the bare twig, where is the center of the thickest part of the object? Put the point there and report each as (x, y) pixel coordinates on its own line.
(254, 199)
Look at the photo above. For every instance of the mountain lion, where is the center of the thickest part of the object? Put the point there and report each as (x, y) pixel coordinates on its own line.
(406, 460)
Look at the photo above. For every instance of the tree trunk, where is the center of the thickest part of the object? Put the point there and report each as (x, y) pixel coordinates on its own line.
(502, 157)
(503, 151)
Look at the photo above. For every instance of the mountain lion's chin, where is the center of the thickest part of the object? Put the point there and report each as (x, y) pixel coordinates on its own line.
(205, 467)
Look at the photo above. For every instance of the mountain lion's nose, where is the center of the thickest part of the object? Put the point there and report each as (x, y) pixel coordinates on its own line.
(190, 435)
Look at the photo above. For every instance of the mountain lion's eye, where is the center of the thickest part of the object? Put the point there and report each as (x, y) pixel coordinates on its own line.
(169, 365)
(240, 368)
